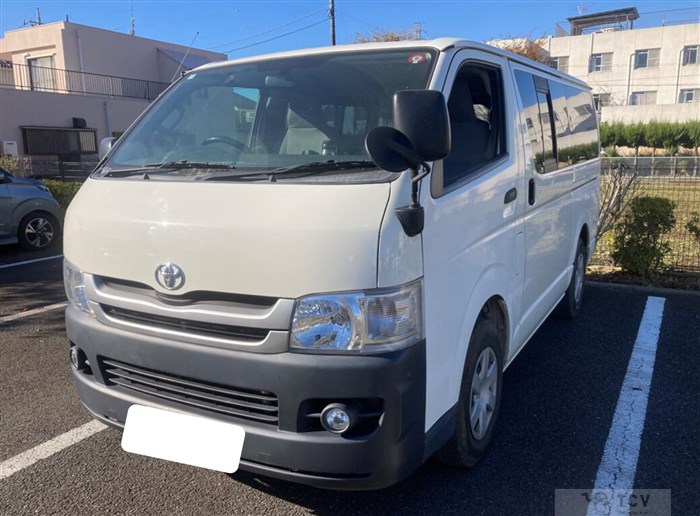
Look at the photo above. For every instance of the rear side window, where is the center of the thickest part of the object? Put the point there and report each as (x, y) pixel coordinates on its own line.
(576, 125)
(539, 119)
(561, 122)
(476, 121)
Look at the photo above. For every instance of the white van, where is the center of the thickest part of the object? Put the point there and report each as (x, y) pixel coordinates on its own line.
(337, 251)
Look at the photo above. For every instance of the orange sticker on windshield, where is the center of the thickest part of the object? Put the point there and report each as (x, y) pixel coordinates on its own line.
(418, 58)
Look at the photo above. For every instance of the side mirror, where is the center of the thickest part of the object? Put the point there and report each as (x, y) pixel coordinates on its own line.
(105, 145)
(422, 132)
(391, 150)
(422, 116)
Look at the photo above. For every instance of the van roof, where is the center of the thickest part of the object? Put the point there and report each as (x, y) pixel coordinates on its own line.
(440, 44)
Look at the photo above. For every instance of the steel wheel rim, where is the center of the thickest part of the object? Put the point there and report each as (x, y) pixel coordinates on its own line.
(580, 272)
(484, 390)
(39, 232)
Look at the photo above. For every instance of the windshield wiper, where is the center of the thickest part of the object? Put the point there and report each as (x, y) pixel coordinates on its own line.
(315, 167)
(166, 167)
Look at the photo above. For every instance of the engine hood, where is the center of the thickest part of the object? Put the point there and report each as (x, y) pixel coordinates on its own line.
(271, 239)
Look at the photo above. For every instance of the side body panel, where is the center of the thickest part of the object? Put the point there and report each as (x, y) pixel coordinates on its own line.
(470, 252)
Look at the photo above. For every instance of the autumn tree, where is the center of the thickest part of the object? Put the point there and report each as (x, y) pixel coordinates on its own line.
(379, 35)
(526, 46)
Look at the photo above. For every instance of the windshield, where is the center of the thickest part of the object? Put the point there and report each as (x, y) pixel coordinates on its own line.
(273, 114)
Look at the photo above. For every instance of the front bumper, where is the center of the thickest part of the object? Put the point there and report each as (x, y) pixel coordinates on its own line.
(289, 450)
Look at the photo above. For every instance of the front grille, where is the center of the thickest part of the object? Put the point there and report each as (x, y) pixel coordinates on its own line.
(220, 331)
(260, 406)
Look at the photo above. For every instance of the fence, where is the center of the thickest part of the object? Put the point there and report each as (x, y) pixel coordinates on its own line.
(48, 167)
(39, 78)
(677, 179)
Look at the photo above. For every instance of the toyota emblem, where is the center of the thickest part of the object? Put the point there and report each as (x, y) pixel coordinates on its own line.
(170, 276)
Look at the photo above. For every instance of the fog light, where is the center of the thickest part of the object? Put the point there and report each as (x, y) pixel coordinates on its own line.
(337, 418)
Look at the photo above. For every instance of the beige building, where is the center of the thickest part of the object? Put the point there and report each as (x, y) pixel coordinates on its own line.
(64, 86)
(636, 74)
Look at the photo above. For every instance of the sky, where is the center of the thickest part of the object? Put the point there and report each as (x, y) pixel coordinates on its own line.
(251, 27)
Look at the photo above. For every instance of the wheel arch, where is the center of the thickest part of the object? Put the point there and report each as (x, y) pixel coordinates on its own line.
(489, 298)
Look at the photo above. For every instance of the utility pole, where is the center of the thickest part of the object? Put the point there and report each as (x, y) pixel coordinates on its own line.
(418, 30)
(331, 15)
(132, 29)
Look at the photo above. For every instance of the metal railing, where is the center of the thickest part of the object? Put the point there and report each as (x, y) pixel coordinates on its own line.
(57, 80)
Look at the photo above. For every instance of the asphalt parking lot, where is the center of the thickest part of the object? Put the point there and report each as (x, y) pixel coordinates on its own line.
(559, 401)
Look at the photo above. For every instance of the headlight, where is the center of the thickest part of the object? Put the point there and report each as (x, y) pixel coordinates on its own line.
(363, 322)
(75, 287)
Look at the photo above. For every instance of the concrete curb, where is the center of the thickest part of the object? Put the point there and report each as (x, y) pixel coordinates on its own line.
(643, 288)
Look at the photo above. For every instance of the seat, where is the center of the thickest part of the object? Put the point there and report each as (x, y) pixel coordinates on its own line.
(470, 135)
(305, 129)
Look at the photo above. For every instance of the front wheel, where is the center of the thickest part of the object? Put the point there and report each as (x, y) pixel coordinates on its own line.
(37, 231)
(479, 398)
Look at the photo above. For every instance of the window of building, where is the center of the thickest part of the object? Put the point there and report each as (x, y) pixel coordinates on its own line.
(647, 58)
(688, 96)
(690, 55)
(41, 73)
(600, 100)
(476, 113)
(560, 63)
(600, 62)
(641, 98)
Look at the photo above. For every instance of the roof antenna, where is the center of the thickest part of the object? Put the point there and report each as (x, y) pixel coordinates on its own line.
(582, 8)
(132, 30)
(184, 57)
(31, 22)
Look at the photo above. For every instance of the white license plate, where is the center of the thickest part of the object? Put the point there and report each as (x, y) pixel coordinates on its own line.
(183, 438)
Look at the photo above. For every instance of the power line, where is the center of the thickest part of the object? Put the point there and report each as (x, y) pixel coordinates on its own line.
(274, 38)
(247, 38)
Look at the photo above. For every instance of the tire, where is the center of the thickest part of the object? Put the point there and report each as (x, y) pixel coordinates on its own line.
(572, 301)
(472, 436)
(37, 230)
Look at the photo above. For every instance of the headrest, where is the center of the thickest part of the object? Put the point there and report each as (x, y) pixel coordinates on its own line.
(305, 114)
(460, 105)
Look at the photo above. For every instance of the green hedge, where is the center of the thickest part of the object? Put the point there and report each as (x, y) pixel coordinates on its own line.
(660, 135)
(63, 191)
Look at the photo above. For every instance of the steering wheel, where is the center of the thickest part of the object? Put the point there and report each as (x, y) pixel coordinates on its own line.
(225, 139)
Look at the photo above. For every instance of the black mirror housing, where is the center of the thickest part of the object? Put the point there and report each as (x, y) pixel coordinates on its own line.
(422, 116)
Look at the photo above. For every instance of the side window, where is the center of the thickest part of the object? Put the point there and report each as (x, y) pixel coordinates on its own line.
(537, 113)
(575, 124)
(476, 111)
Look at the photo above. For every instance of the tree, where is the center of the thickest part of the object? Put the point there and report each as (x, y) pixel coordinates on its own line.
(526, 46)
(379, 35)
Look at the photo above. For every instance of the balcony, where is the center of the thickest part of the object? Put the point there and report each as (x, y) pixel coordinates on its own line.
(55, 80)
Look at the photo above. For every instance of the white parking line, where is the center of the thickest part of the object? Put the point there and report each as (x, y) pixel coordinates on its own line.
(618, 466)
(44, 450)
(21, 315)
(26, 262)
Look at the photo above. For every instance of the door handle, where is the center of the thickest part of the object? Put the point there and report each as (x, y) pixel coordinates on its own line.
(531, 192)
(511, 195)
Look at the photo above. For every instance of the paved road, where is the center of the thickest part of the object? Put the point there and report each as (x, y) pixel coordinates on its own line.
(558, 402)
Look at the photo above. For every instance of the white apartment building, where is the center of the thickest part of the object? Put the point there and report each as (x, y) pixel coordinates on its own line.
(636, 74)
